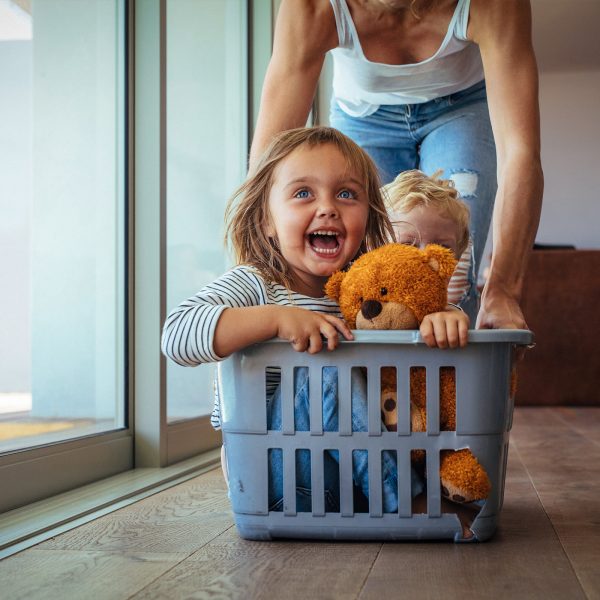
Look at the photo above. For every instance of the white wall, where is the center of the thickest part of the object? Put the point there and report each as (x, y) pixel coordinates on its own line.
(570, 131)
(570, 106)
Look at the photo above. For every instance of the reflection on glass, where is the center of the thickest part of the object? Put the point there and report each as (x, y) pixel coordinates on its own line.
(61, 220)
(206, 155)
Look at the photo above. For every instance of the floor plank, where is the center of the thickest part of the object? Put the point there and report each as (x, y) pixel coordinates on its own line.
(229, 567)
(560, 449)
(48, 575)
(180, 519)
(181, 543)
(126, 534)
(207, 493)
(508, 566)
(585, 421)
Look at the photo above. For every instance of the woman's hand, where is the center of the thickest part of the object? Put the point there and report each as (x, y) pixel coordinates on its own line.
(499, 310)
(447, 329)
(305, 329)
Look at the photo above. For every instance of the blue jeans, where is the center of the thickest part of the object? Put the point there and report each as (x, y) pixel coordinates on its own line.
(452, 133)
(359, 415)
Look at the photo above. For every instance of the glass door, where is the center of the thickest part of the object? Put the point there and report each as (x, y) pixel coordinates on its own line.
(62, 221)
(206, 160)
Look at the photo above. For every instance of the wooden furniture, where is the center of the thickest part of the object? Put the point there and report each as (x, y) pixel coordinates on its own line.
(561, 303)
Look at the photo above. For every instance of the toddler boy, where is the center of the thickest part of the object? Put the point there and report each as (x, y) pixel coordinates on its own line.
(427, 210)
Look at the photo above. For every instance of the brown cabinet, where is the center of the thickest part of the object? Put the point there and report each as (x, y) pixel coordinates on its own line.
(561, 303)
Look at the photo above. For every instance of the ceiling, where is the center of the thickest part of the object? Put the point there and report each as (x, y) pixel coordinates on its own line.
(566, 34)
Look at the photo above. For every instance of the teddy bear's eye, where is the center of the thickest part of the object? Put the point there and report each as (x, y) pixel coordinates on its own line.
(383, 291)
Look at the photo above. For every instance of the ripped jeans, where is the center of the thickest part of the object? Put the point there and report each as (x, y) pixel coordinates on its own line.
(389, 472)
(452, 133)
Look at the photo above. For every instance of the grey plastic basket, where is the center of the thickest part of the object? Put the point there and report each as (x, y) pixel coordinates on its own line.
(484, 418)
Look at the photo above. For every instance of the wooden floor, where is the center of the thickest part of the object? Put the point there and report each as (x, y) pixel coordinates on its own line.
(181, 543)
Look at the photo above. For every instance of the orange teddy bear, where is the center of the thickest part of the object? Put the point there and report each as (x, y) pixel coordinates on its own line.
(394, 287)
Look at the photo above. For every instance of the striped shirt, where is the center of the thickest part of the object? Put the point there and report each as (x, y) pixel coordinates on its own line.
(189, 331)
(458, 287)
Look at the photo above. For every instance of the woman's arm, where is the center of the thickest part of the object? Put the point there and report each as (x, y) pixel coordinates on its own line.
(502, 28)
(304, 32)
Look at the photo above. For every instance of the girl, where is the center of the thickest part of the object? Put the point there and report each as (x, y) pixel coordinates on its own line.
(310, 206)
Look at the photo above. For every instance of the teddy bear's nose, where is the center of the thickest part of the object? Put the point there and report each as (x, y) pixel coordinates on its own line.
(370, 309)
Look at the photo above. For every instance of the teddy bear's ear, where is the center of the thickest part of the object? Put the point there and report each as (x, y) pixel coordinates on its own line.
(441, 260)
(333, 286)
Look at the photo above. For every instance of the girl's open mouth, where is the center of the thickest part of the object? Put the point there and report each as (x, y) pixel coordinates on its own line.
(325, 242)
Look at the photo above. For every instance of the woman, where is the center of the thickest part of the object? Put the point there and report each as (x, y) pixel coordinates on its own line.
(427, 84)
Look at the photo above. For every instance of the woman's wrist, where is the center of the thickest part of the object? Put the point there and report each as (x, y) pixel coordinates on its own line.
(497, 287)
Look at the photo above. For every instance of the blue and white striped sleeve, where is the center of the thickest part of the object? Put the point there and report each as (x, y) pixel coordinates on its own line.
(189, 331)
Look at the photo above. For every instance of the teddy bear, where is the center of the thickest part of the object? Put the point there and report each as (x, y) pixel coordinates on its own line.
(394, 287)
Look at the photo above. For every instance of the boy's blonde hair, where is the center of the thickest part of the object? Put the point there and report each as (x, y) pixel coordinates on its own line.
(412, 189)
(247, 212)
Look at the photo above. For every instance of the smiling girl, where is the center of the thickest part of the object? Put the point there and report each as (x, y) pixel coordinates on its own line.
(309, 208)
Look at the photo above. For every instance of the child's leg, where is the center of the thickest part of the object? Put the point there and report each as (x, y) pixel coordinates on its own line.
(275, 455)
(303, 463)
(330, 423)
(389, 470)
(359, 412)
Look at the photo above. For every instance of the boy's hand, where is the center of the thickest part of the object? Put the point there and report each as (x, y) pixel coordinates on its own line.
(303, 329)
(447, 329)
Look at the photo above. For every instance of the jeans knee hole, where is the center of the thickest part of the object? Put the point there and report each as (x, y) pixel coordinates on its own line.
(465, 182)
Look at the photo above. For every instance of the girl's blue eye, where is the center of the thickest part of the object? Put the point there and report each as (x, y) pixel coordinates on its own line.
(302, 194)
(346, 194)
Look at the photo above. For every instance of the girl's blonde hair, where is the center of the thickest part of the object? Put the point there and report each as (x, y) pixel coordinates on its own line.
(412, 189)
(247, 212)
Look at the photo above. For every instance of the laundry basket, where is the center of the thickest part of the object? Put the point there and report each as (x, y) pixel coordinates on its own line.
(484, 409)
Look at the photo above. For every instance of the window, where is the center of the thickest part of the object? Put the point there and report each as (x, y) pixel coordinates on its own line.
(114, 161)
(62, 222)
(62, 206)
(206, 158)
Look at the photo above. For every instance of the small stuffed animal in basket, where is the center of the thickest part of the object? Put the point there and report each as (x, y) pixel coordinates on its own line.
(394, 287)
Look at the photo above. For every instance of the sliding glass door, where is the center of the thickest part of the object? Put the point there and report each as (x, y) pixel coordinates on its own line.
(62, 225)
(124, 128)
(206, 157)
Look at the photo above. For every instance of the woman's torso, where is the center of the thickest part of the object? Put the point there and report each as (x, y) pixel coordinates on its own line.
(383, 59)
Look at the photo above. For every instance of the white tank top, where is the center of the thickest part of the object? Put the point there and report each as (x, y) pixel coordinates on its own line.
(361, 86)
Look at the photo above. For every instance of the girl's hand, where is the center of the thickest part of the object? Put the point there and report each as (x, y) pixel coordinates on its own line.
(447, 329)
(303, 329)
